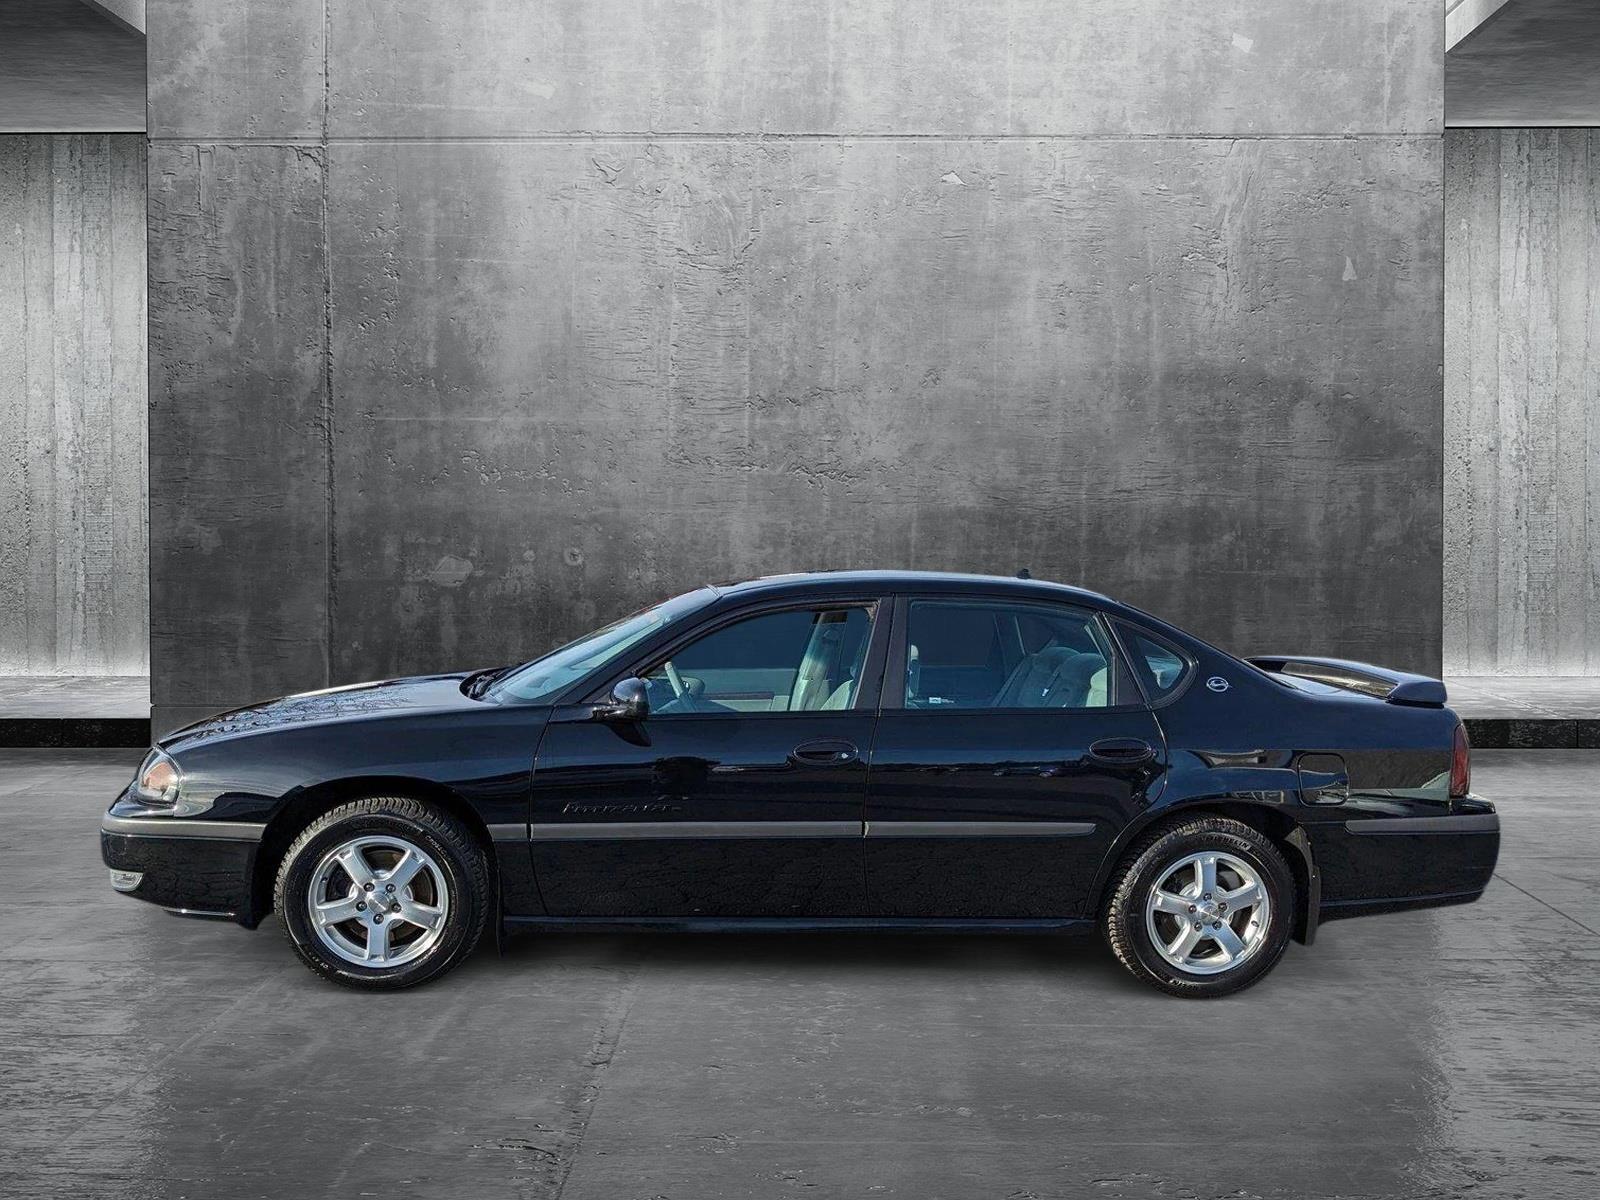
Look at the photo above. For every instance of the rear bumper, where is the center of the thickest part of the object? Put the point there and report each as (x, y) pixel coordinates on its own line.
(1390, 863)
(186, 865)
(1338, 909)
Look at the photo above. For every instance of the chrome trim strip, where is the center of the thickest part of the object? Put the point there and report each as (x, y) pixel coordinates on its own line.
(978, 829)
(1459, 823)
(588, 831)
(205, 913)
(180, 827)
(514, 831)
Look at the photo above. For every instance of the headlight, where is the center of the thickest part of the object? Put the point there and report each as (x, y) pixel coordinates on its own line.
(159, 779)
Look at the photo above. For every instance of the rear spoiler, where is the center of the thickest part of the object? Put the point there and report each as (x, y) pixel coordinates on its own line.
(1397, 687)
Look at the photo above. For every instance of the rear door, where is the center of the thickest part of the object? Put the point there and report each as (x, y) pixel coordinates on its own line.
(742, 794)
(1012, 746)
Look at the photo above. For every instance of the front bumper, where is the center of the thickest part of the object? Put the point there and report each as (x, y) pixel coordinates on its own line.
(1374, 864)
(187, 865)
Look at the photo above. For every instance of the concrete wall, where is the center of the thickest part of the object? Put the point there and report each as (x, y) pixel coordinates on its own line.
(474, 325)
(73, 555)
(1522, 396)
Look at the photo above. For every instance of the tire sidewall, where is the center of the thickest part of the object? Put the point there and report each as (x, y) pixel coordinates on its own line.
(1152, 866)
(459, 924)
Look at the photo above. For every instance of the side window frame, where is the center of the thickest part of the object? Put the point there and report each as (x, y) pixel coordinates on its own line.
(1125, 679)
(1121, 628)
(879, 613)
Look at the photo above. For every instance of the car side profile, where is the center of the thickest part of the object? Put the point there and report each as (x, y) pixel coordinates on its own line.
(863, 750)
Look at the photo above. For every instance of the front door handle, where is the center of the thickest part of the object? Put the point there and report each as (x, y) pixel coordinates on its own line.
(826, 752)
(1122, 751)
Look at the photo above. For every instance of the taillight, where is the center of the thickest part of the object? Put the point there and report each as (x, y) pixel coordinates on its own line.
(1460, 765)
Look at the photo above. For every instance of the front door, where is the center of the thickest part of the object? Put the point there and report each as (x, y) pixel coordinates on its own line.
(740, 795)
(1012, 746)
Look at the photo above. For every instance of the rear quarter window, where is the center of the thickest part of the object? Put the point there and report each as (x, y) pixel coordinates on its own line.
(1161, 667)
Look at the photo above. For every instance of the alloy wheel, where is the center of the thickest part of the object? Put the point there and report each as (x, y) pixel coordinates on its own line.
(378, 901)
(1208, 912)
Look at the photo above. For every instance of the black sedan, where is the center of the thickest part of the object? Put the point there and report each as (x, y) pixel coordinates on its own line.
(864, 750)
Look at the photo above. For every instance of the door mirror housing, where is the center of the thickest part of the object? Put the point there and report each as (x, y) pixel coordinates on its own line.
(630, 701)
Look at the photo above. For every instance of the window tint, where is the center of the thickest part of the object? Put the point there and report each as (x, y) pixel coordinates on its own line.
(798, 660)
(978, 654)
(1161, 667)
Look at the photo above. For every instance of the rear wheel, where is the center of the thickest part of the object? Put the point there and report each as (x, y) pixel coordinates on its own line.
(1202, 908)
(385, 892)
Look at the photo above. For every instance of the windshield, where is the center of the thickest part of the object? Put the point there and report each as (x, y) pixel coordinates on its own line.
(545, 678)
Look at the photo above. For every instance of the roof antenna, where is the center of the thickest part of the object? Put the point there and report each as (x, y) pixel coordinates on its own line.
(1024, 574)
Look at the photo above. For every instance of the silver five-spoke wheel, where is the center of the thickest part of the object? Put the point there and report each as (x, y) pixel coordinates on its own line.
(1208, 912)
(378, 901)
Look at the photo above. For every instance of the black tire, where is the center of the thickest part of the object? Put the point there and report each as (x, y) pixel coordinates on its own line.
(460, 860)
(1149, 862)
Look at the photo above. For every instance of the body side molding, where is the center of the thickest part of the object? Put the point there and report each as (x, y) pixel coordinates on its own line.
(1459, 823)
(636, 830)
(588, 831)
(978, 829)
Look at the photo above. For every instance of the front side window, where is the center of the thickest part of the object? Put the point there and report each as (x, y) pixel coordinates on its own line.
(795, 660)
(986, 654)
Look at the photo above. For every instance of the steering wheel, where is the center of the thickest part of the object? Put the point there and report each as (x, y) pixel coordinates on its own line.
(679, 691)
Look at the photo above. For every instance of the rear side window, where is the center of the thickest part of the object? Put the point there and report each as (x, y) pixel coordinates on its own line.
(992, 654)
(1162, 668)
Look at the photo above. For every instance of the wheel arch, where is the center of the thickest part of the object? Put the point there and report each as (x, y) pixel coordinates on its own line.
(1270, 820)
(306, 805)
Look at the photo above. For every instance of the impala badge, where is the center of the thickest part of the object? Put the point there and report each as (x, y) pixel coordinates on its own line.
(1217, 683)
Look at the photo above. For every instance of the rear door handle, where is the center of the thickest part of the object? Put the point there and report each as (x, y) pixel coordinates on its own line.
(826, 752)
(1122, 751)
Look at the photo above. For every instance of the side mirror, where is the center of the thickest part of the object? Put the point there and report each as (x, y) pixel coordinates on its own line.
(630, 701)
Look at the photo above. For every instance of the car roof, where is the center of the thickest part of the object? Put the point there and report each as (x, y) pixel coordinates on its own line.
(825, 582)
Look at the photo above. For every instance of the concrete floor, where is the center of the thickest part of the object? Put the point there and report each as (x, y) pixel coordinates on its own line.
(68, 68)
(1531, 63)
(39, 696)
(1514, 697)
(1437, 1054)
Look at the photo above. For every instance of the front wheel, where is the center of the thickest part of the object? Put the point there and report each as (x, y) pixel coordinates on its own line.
(385, 892)
(1202, 908)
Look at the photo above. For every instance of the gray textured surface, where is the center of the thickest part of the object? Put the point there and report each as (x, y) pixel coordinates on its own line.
(239, 71)
(40, 696)
(1436, 1054)
(67, 68)
(1533, 62)
(73, 554)
(1019, 67)
(1522, 355)
(239, 511)
(1512, 697)
(620, 301)
(409, 68)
